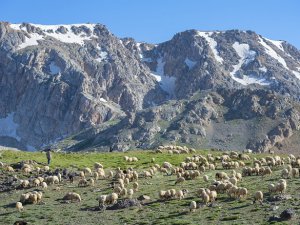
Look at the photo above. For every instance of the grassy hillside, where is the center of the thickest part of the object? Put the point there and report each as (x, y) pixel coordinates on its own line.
(225, 211)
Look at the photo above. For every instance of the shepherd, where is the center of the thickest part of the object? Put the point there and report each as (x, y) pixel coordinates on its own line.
(48, 155)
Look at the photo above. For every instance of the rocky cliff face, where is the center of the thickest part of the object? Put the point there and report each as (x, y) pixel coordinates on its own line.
(57, 81)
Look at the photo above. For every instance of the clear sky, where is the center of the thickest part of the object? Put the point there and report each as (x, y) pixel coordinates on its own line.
(156, 21)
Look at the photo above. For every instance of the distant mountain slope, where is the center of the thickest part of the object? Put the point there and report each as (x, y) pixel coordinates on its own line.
(59, 80)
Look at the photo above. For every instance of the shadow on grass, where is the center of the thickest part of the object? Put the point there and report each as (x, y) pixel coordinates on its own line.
(239, 207)
(174, 215)
(10, 205)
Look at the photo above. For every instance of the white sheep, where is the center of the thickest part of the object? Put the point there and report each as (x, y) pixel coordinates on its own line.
(193, 206)
(258, 196)
(74, 197)
(180, 180)
(44, 185)
(130, 193)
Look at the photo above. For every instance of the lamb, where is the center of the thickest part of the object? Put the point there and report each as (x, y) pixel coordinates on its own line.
(258, 196)
(193, 206)
(74, 197)
(19, 206)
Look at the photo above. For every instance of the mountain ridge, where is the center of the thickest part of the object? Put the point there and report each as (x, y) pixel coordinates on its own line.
(80, 76)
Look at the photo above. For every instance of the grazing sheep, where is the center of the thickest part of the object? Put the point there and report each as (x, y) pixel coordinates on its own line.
(46, 168)
(98, 165)
(112, 198)
(295, 172)
(213, 196)
(24, 197)
(19, 206)
(258, 196)
(110, 174)
(10, 169)
(102, 200)
(272, 188)
(87, 171)
(180, 180)
(281, 186)
(130, 193)
(44, 185)
(52, 180)
(221, 176)
(285, 173)
(74, 197)
(135, 186)
(205, 178)
(36, 182)
(24, 183)
(193, 206)
(242, 192)
(92, 182)
(205, 198)
(82, 183)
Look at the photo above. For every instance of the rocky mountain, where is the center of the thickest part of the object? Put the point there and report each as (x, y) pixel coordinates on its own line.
(81, 88)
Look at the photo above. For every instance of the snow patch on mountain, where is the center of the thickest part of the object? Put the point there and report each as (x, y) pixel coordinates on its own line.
(54, 69)
(8, 127)
(53, 31)
(166, 82)
(246, 56)
(190, 63)
(278, 44)
(212, 43)
(31, 40)
(102, 56)
(270, 51)
(263, 69)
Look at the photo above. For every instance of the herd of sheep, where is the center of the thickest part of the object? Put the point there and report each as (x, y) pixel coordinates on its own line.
(195, 166)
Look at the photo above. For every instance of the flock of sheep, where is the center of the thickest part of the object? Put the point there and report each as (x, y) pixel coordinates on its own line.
(125, 181)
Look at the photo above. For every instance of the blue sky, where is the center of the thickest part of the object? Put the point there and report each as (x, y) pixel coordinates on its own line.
(156, 21)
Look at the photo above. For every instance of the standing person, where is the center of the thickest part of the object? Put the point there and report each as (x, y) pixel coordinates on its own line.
(48, 155)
